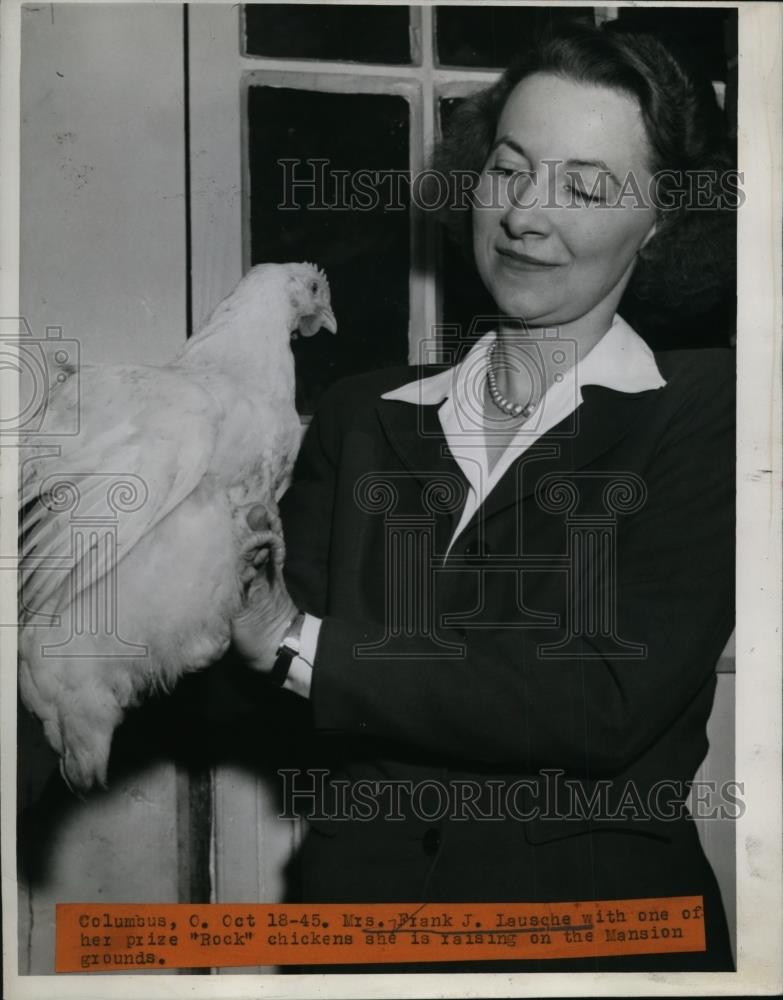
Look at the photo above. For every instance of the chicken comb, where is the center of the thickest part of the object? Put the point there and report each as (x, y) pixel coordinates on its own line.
(318, 270)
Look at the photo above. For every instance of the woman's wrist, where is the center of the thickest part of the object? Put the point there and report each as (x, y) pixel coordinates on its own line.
(258, 630)
(299, 677)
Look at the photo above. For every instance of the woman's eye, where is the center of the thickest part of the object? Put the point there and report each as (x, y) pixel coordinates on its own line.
(585, 196)
(509, 169)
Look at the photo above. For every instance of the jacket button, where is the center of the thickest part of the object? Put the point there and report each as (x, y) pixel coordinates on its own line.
(473, 549)
(431, 841)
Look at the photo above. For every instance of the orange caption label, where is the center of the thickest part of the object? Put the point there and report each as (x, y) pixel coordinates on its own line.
(125, 937)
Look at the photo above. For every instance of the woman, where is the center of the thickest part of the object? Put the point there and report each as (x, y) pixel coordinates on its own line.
(517, 572)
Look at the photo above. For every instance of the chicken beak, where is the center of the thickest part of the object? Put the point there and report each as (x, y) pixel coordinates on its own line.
(328, 319)
(324, 317)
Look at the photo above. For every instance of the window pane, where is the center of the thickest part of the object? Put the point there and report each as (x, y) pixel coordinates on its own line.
(365, 253)
(698, 36)
(467, 306)
(493, 36)
(463, 296)
(328, 31)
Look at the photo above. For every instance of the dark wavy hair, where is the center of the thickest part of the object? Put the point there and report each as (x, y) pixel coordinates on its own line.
(691, 259)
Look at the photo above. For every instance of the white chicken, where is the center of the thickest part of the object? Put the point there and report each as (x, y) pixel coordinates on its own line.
(132, 535)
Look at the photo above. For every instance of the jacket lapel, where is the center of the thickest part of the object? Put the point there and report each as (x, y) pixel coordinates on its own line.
(415, 434)
(602, 421)
(604, 418)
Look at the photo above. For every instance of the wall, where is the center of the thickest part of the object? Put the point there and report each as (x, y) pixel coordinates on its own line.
(103, 257)
(103, 224)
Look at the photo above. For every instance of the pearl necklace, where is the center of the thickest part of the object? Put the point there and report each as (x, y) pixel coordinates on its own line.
(503, 404)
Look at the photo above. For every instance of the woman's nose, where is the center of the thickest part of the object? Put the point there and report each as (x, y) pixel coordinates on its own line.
(525, 211)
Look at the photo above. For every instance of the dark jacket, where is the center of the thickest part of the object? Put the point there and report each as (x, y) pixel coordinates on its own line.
(569, 639)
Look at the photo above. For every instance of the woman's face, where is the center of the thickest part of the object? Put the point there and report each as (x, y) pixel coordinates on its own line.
(552, 244)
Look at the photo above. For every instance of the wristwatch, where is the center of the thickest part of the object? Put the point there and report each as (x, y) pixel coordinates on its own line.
(286, 651)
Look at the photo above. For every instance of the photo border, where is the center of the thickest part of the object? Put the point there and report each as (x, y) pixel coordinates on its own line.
(759, 598)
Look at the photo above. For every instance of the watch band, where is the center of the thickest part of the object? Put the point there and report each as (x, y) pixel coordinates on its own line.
(286, 652)
(282, 665)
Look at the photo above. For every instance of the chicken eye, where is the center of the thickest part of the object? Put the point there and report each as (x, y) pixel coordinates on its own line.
(313, 287)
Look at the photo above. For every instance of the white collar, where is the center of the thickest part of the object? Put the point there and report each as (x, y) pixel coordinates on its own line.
(620, 360)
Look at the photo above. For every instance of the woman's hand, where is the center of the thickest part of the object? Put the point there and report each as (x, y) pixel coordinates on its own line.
(259, 628)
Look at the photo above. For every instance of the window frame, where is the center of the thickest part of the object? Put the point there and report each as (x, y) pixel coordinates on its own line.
(218, 145)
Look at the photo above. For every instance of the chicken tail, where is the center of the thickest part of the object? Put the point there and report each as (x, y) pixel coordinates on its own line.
(79, 729)
(85, 760)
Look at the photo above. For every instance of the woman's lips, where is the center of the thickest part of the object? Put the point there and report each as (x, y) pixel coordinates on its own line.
(521, 261)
